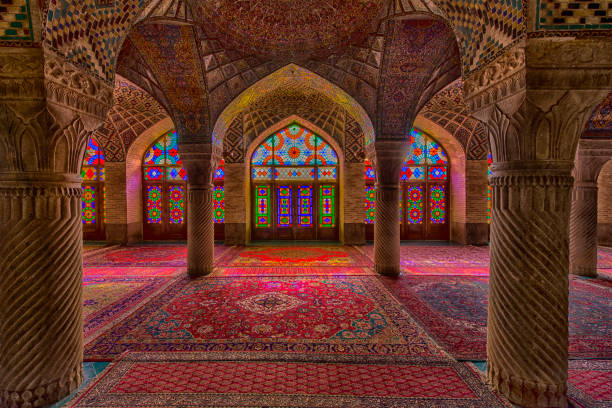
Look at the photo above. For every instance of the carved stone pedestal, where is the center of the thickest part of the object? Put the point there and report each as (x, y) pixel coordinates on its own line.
(41, 322)
(200, 231)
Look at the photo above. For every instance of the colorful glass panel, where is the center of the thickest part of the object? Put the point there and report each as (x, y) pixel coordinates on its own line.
(370, 204)
(89, 173)
(172, 156)
(93, 154)
(327, 206)
(295, 146)
(327, 173)
(411, 173)
(437, 204)
(261, 173)
(305, 206)
(176, 201)
(219, 173)
(369, 171)
(176, 174)
(262, 207)
(264, 153)
(154, 204)
(89, 204)
(156, 154)
(284, 206)
(435, 154)
(489, 189)
(414, 205)
(437, 173)
(325, 155)
(154, 173)
(219, 205)
(416, 153)
(101, 174)
(294, 173)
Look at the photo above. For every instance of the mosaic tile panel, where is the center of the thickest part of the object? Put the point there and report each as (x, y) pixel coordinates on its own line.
(573, 15)
(16, 22)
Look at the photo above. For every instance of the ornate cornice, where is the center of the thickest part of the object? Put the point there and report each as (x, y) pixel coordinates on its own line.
(21, 75)
(74, 88)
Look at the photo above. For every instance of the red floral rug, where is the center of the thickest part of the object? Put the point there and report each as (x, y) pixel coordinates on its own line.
(148, 255)
(294, 271)
(213, 379)
(346, 315)
(453, 310)
(589, 383)
(309, 256)
(120, 271)
(106, 300)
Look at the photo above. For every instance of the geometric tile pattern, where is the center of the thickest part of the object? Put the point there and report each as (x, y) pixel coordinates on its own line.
(600, 123)
(448, 110)
(16, 23)
(233, 142)
(573, 15)
(353, 142)
(134, 112)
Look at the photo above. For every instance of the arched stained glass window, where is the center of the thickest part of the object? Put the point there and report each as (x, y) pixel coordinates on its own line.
(424, 182)
(295, 173)
(489, 189)
(93, 175)
(219, 195)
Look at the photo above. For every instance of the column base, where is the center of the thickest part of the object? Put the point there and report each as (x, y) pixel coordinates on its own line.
(199, 272)
(526, 393)
(587, 271)
(43, 395)
(387, 270)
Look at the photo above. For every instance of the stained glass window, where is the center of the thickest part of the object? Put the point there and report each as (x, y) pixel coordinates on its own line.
(177, 204)
(262, 207)
(370, 204)
(414, 204)
(327, 203)
(154, 200)
(220, 172)
(489, 189)
(219, 205)
(369, 171)
(284, 206)
(92, 173)
(305, 206)
(437, 204)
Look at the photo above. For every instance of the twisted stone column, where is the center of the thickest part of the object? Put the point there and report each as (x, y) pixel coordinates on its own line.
(200, 230)
(41, 322)
(583, 230)
(387, 229)
(527, 335)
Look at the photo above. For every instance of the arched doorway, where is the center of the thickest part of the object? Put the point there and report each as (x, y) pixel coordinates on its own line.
(294, 186)
(92, 173)
(425, 195)
(164, 190)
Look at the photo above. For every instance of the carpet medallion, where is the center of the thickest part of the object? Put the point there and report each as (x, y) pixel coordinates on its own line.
(293, 271)
(107, 299)
(253, 379)
(312, 256)
(354, 315)
(453, 310)
(589, 383)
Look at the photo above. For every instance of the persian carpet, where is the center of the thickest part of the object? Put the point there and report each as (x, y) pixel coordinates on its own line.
(589, 383)
(119, 271)
(604, 257)
(252, 379)
(344, 315)
(106, 300)
(147, 255)
(438, 256)
(311, 256)
(294, 271)
(453, 310)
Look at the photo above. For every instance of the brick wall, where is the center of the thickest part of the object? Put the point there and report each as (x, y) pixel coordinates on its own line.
(116, 198)
(604, 201)
(354, 193)
(476, 185)
(235, 205)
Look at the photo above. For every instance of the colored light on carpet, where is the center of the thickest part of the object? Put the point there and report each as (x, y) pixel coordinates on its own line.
(299, 256)
(590, 383)
(106, 300)
(122, 271)
(196, 379)
(453, 310)
(323, 315)
(147, 255)
(448, 256)
(445, 271)
(294, 271)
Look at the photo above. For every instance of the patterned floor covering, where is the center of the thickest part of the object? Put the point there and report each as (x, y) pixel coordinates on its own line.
(338, 315)
(253, 379)
(453, 310)
(590, 383)
(298, 256)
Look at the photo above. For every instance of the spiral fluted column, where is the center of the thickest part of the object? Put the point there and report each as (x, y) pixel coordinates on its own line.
(583, 230)
(387, 230)
(527, 335)
(200, 230)
(41, 322)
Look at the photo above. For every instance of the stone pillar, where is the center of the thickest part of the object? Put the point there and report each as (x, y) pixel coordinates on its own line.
(200, 230)
(590, 158)
(529, 101)
(390, 156)
(47, 114)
